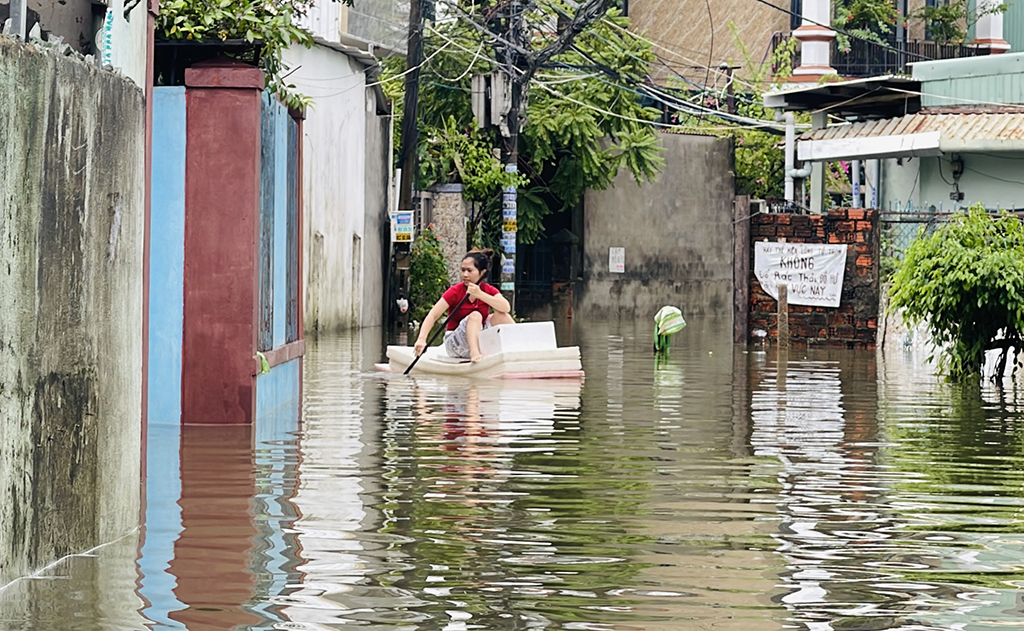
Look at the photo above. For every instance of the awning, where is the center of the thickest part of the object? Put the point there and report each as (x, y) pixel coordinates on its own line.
(927, 133)
(872, 97)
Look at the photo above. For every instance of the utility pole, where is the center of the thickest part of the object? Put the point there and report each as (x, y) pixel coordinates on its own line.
(730, 95)
(517, 62)
(410, 120)
(509, 197)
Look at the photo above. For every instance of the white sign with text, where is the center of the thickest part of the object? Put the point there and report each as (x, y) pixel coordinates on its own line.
(617, 260)
(812, 271)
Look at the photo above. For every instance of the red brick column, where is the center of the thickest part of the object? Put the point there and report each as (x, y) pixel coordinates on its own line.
(222, 195)
(854, 323)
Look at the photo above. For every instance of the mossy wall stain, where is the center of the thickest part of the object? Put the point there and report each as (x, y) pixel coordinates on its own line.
(72, 149)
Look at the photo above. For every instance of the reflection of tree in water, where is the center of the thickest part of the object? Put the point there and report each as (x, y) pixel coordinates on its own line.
(961, 440)
(506, 503)
(955, 452)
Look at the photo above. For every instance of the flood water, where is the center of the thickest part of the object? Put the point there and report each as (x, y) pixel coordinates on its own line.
(727, 488)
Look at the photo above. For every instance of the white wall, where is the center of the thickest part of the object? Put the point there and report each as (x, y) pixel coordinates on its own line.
(993, 179)
(128, 41)
(334, 186)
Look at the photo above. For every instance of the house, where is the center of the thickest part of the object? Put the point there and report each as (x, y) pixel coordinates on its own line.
(958, 140)
(890, 118)
(694, 39)
(346, 170)
(115, 33)
(690, 35)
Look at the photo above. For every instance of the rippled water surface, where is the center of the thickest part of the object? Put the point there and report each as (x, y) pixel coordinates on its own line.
(727, 488)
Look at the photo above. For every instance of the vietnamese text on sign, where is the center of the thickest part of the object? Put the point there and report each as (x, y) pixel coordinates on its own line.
(813, 272)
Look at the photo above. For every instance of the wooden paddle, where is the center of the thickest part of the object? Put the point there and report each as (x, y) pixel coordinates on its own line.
(444, 324)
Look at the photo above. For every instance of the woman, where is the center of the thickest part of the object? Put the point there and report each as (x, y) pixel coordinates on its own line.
(462, 337)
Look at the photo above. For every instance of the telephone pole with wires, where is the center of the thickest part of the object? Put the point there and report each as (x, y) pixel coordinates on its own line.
(410, 127)
(504, 104)
(510, 149)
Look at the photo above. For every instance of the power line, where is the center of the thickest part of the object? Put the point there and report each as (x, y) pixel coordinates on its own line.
(659, 45)
(711, 47)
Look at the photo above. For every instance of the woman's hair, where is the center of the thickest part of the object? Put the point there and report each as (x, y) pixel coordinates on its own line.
(481, 259)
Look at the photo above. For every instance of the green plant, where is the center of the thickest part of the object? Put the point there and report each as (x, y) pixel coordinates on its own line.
(273, 23)
(582, 125)
(872, 20)
(450, 155)
(948, 22)
(428, 274)
(966, 280)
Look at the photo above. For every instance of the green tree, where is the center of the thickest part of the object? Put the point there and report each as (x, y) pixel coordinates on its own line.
(583, 123)
(872, 20)
(271, 23)
(966, 281)
(948, 22)
(428, 274)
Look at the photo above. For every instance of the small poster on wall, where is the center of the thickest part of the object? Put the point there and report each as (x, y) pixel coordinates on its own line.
(813, 272)
(617, 260)
(402, 229)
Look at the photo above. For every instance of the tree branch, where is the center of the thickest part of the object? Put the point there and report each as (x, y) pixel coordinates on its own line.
(586, 15)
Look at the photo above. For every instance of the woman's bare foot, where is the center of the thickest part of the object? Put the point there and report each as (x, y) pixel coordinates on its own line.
(476, 358)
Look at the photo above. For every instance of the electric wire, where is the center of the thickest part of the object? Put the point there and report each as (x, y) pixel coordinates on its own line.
(711, 50)
(846, 33)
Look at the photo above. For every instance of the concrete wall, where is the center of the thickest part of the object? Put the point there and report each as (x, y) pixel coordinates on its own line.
(448, 214)
(71, 225)
(376, 240)
(343, 190)
(685, 29)
(677, 233)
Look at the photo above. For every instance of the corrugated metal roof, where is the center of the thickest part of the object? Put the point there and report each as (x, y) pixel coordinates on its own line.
(999, 125)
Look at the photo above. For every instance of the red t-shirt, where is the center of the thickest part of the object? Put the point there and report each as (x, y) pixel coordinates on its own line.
(455, 294)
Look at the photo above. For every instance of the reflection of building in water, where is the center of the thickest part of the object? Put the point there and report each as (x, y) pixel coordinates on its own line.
(211, 564)
(819, 418)
(341, 417)
(219, 548)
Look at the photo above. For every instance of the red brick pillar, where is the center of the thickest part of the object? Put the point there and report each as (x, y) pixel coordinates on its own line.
(222, 201)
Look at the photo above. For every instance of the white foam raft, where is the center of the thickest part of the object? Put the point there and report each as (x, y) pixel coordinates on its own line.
(511, 351)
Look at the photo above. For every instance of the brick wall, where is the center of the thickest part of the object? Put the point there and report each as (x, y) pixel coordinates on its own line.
(685, 27)
(854, 323)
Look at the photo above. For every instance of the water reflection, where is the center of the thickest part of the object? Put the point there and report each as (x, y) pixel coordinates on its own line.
(722, 489)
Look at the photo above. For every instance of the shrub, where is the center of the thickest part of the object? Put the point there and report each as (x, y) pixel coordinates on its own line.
(966, 280)
(428, 274)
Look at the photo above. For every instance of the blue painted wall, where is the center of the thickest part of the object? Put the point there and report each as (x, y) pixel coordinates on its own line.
(277, 402)
(281, 191)
(167, 255)
(166, 311)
